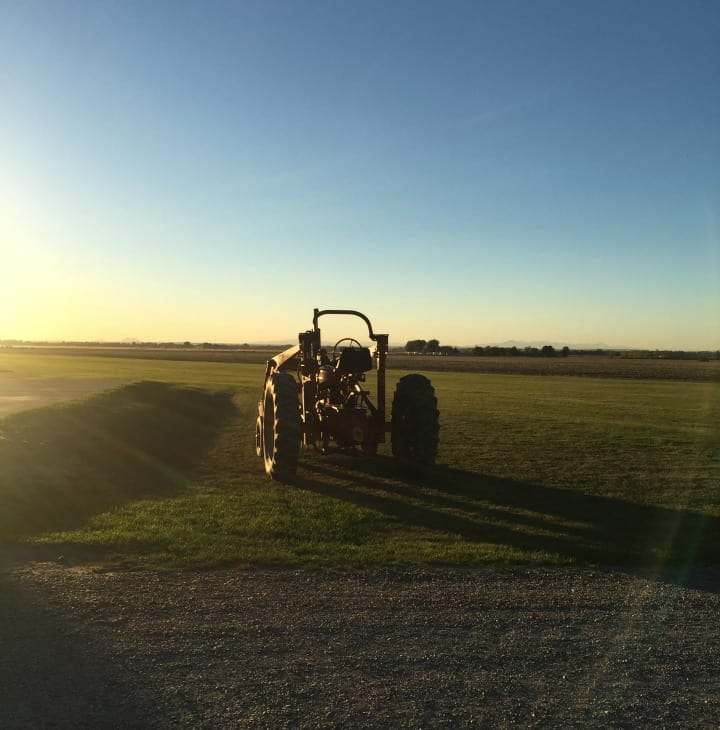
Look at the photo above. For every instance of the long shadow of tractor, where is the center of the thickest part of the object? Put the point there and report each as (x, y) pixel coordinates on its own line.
(318, 399)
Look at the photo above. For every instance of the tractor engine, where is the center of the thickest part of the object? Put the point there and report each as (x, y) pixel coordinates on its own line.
(339, 413)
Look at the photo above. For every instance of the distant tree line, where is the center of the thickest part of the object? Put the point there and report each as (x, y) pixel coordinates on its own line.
(429, 347)
(495, 351)
(433, 347)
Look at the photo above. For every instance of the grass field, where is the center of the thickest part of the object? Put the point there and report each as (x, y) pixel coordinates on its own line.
(160, 471)
(595, 365)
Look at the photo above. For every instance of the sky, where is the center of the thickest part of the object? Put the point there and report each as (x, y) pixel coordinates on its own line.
(474, 172)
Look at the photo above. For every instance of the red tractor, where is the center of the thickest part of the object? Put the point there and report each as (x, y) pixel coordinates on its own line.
(314, 397)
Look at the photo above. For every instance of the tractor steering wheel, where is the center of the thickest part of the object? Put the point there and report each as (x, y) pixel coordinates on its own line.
(344, 339)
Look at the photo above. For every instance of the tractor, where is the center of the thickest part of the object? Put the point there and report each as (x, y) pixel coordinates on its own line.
(315, 398)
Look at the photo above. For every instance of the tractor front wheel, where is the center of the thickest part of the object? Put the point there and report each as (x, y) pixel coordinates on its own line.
(415, 423)
(281, 427)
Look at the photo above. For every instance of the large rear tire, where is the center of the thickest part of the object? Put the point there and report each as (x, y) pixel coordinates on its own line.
(281, 427)
(415, 425)
(259, 436)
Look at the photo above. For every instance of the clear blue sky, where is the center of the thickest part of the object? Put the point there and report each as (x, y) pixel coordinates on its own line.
(468, 171)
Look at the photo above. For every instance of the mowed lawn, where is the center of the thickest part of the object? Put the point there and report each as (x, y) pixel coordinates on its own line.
(160, 472)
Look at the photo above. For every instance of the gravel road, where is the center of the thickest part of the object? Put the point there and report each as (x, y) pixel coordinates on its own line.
(540, 647)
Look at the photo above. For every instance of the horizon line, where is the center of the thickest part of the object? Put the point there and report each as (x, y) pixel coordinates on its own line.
(507, 344)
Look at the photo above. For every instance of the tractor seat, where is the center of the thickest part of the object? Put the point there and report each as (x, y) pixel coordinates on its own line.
(354, 360)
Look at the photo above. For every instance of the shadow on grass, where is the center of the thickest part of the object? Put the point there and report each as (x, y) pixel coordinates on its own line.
(61, 465)
(584, 528)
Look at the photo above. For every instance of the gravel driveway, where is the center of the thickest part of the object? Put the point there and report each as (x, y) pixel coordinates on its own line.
(282, 648)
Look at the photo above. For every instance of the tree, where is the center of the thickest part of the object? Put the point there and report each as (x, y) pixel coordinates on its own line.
(432, 346)
(548, 351)
(415, 346)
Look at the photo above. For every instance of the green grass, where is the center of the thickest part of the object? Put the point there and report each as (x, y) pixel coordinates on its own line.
(531, 469)
(15, 364)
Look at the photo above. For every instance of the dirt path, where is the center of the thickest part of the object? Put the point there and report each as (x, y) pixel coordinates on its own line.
(274, 649)
(17, 394)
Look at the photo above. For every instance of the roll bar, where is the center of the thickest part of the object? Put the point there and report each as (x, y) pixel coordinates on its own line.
(317, 313)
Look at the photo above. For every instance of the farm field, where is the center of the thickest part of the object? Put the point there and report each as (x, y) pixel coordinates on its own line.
(159, 471)
(596, 365)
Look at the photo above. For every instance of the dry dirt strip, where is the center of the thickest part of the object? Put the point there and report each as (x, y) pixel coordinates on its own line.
(296, 649)
(17, 394)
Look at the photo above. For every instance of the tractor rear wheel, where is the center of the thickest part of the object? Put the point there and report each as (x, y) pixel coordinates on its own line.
(370, 444)
(415, 425)
(281, 427)
(259, 436)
